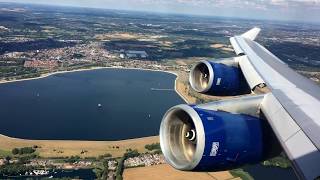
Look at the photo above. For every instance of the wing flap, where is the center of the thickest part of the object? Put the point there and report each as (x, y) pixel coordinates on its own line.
(299, 148)
(305, 156)
(239, 51)
(252, 77)
(281, 121)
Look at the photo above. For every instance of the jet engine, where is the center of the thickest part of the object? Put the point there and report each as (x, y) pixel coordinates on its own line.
(221, 78)
(207, 137)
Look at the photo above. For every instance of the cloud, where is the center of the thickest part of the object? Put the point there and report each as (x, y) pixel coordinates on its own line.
(305, 10)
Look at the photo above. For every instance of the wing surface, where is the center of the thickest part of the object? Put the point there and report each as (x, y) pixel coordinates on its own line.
(292, 107)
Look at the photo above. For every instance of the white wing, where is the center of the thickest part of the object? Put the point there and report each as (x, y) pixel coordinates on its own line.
(292, 107)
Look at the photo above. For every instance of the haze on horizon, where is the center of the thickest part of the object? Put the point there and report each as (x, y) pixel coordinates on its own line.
(292, 10)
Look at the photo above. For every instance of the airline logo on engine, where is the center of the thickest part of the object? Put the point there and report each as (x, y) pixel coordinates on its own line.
(214, 149)
(218, 81)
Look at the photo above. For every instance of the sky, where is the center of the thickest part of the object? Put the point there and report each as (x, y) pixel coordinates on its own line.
(296, 10)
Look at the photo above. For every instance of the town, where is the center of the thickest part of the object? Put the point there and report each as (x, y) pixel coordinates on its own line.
(25, 163)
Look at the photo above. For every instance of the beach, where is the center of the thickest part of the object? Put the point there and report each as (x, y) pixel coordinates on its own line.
(63, 148)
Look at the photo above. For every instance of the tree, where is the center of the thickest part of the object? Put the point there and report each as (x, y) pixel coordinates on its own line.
(14, 169)
(15, 151)
(7, 159)
(120, 167)
(131, 153)
(27, 150)
(107, 155)
(73, 159)
(24, 150)
(153, 146)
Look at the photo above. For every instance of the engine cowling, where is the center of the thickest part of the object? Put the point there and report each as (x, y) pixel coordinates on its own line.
(195, 139)
(218, 79)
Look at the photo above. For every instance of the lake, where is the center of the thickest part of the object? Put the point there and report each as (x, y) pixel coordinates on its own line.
(260, 172)
(66, 106)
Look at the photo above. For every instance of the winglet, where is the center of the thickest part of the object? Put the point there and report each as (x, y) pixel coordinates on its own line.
(251, 34)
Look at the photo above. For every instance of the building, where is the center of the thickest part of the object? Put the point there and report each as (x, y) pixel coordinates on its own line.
(133, 54)
(2, 162)
(41, 64)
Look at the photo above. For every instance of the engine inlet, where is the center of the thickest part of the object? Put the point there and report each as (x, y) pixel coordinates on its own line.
(179, 138)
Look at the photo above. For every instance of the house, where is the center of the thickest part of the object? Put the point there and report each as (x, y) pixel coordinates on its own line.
(133, 55)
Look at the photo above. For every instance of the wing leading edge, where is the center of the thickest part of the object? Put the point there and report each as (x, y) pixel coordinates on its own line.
(292, 106)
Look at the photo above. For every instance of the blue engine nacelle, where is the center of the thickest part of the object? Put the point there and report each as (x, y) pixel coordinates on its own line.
(194, 139)
(218, 79)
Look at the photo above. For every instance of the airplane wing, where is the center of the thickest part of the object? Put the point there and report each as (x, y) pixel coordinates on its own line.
(292, 107)
(274, 105)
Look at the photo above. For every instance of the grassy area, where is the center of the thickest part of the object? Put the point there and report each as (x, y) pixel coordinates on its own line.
(241, 174)
(120, 168)
(5, 153)
(279, 161)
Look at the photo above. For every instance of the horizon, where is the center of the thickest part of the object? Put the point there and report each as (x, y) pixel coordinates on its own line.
(288, 15)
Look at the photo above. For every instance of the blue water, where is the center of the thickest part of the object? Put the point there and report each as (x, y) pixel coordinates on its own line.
(261, 172)
(65, 106)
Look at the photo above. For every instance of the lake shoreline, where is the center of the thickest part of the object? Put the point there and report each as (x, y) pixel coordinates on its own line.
(64, 145)
(97, 68)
